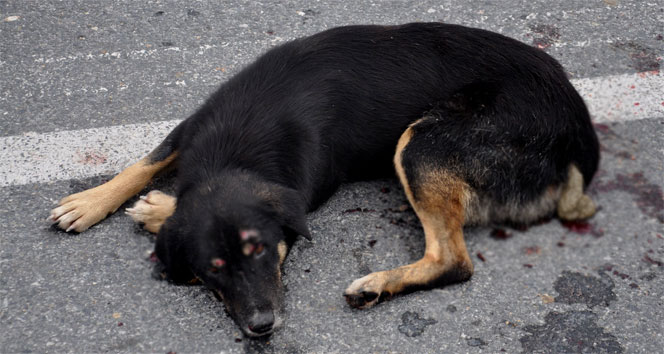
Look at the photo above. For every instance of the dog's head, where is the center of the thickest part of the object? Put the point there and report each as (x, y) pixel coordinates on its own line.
(233, 237)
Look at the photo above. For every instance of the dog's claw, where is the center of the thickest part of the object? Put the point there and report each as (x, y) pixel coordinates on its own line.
(366, 291)
(363, 300)
(152, 210)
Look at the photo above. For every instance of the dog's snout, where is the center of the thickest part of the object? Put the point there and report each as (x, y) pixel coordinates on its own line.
(261, 323)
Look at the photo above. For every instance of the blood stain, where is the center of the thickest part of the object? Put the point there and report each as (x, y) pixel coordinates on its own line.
(649, 196)
(91, 158)
(602, 128)
(583, 227)
(481, 256)
(358, 210)
(532, 250)
(500, 234)
(648, 259)
(621, 275)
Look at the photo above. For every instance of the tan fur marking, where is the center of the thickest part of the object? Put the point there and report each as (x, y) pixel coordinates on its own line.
(573, 203)
(152, 210)
(439, 202)
(401, 145)
(283, 251)
(81, 210)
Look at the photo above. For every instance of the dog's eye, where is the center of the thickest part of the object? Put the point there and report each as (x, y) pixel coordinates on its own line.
(259, 249)
(217, 263)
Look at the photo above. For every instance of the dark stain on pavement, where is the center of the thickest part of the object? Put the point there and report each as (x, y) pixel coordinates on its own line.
(403, 216)
(500, 234)
(583, 227)
(545, 35)
(569, 332)
(412, 325)
(648, 259)
(475, 342)
(649, 196)
(362, 267)
(573, 288)
(643, 57)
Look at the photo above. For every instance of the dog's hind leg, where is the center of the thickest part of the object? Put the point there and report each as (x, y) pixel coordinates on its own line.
(79, 211)
(439, 199)
(573, 203)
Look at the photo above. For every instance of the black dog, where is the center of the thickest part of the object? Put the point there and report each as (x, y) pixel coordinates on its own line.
(485, 128)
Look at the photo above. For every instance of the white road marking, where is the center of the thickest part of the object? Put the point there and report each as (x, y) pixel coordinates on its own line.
(623, 97)
(131, 54)
(76, 154)
(35, 158)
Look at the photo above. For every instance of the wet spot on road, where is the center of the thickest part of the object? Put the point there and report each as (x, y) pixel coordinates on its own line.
(649, 276)
(573, 288)
(412, 325)
(475, 342)
(569, 332)
(643, 57)
(403, 216)
(583, 227)
(481, 257)
(603, 128)
(545, 35)
(500, 234)
(649, 196)
(362, 266)
(358, 210)
(650, 260)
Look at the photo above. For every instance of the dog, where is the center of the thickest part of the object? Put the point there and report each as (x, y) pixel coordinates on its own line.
(480, 129)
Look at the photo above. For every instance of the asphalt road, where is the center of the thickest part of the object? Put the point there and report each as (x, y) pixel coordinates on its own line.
(66, 66)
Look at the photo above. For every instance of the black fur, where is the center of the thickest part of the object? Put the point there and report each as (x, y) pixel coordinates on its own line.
(276, 140)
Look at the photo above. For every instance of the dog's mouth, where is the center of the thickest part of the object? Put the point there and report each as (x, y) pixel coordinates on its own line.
(260, 324)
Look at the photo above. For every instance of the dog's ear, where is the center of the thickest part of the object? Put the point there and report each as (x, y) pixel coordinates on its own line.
(297, 223)
(170, 250)
(293, 212)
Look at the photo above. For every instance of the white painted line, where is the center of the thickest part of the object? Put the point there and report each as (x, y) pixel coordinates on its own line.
(623, 97)
(75, 154)
(131, 54)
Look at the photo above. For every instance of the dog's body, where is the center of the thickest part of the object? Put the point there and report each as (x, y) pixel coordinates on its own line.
(486, 129)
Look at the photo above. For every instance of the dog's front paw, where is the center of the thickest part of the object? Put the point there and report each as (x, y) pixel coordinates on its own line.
(152, 210)
(366, 291)
(79, 211)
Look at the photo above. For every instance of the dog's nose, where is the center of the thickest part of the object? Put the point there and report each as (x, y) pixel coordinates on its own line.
(261, 322)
